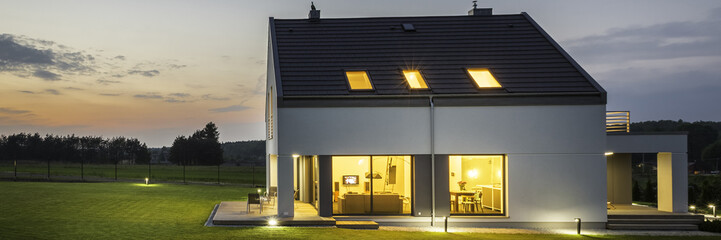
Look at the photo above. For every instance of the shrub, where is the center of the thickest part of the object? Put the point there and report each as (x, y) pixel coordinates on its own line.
(710, 226)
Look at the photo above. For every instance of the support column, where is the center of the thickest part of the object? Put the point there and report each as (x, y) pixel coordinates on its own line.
(618, 175)
(285, 185)
(672, 182)
(325, 186)
(443, 198)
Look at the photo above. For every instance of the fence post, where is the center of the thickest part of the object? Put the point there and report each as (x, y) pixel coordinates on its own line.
(15, 164)
(252, 166)
(218, 173)
(149, 170)
(184, 173)
(116, 171)
(48, 168)
(82, 170)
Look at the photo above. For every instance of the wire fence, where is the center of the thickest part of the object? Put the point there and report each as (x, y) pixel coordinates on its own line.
(247, 174)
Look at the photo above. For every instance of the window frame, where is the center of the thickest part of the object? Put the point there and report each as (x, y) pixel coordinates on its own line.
(423, 78)
(475, 83)
(504, 191)
(347, 81)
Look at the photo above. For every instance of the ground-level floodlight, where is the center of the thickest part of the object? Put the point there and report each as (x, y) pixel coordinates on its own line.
(578, 225)
(272, 222)
(258, 190)
(147, 181)
(713, 208)
(692, 207)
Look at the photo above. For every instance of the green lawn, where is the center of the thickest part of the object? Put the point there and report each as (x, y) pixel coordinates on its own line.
(50, 210)
(228, 174)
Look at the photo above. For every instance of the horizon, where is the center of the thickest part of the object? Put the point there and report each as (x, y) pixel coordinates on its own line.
(157, 70)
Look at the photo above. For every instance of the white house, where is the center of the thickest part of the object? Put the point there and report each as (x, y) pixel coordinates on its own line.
(481, 118)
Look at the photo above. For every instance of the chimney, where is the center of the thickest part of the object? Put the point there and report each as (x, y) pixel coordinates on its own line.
(313, 15)
(480, 11)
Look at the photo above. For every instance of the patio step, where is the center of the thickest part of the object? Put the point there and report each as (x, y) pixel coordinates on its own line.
(687, 222)
(356, 224)
(669, 227)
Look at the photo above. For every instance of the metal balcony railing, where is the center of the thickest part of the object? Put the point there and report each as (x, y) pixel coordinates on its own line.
(618, 121)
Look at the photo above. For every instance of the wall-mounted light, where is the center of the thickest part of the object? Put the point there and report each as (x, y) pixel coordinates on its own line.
(608, 153)
(578, 225)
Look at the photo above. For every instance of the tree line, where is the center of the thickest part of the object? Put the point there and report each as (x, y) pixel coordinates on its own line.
(71, 148)
(704, 139)
(201, 148)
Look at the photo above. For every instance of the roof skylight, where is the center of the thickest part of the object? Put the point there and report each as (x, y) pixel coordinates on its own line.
(483, 78)
(358, 80)
(414, 79)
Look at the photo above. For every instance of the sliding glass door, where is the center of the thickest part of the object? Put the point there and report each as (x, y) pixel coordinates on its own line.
(377, 185)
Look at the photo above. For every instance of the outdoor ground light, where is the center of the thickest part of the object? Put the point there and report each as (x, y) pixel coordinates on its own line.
(272, 222)
(692, 207)
(146, 181)
(578, 225)
(713, 208)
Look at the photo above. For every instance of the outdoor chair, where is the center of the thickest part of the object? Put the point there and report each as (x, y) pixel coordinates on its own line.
(254, 198)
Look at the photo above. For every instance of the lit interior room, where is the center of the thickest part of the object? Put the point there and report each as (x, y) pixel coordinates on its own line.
(477, 184)
(371, 185)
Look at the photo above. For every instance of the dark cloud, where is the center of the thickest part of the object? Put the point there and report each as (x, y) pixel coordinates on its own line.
(46, 75)
(180, 95)
(52, 91)
(211, 97)
(119, 57)
(106, 82)
(12, 53)
(148, 96)
(28, 92)
(12, 111)
(147, 73)
(174, 100)
(110, 94)
(117, 75)
(176, 66)
(74, 88)
(44, 59)
(662, 41)
(233, 108)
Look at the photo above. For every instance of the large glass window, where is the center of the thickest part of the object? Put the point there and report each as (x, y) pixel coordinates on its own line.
(375, 185)
(477, 184)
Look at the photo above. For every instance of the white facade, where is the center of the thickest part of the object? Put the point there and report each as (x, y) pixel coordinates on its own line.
(555, 154)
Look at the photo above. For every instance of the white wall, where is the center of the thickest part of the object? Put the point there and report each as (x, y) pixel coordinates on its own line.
(520, 129)
(349, 131)
(556, 167)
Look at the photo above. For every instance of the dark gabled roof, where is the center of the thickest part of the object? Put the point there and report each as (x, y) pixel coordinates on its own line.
(312, 56)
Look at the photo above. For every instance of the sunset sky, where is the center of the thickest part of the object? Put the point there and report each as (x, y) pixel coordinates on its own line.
(154, 70)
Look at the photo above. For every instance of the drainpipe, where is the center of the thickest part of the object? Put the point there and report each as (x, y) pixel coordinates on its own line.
(433, 167)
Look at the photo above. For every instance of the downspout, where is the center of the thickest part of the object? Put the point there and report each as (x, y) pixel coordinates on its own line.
(433, 166)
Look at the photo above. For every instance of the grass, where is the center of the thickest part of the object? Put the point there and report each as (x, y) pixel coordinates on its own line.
(50, 210)
(167, 173)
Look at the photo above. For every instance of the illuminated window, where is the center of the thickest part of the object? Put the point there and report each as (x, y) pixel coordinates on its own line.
(483, 78)
(358, 80)
(372, 185)
(477, 184)
(414, 78)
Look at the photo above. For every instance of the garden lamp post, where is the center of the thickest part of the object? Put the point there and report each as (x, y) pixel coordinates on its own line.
(713, 207)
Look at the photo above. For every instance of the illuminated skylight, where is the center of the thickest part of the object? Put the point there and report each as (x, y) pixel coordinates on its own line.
(483, 78)
(415, 80)
(358, 80)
